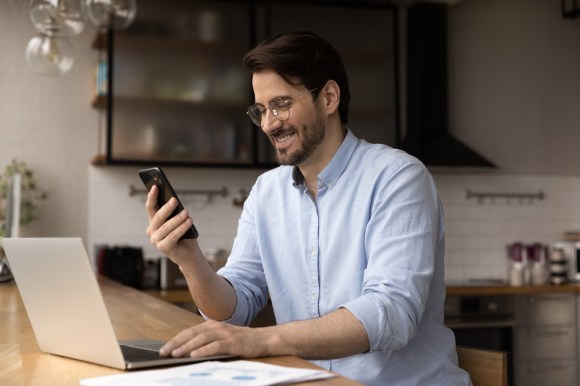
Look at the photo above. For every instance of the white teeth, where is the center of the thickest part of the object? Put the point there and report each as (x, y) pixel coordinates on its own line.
(284, 138)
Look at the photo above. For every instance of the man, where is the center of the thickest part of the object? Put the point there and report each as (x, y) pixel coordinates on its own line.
(346, 237)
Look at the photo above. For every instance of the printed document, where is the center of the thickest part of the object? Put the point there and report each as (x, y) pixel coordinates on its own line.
(235, 373)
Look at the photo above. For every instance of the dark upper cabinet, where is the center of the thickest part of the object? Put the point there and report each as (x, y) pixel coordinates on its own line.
(178, 92)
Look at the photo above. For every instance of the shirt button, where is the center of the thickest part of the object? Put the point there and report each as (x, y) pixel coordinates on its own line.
(331, 184)
(313, 253)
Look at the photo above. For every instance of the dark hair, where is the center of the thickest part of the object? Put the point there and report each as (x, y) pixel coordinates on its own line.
(305, 57)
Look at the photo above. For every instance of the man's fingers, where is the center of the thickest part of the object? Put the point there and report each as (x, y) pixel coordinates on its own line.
(151, 203)
(213, 338)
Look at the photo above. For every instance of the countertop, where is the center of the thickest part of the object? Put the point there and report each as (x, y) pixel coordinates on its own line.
(506, 289)
(453, 288)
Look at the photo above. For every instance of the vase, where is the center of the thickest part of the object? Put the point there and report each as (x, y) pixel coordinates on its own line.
(5, 272)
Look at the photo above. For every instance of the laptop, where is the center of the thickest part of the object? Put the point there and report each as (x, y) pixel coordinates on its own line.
(63, 301)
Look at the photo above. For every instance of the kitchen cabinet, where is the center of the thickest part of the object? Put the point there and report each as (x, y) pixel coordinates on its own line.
(545, 340)
(178, 92)
(545, 325)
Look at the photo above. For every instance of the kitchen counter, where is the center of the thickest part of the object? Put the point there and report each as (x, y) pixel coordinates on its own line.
(505, 289)
(134, 315)
(453, 289)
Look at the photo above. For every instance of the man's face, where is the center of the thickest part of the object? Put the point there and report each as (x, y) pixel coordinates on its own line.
(296, 138)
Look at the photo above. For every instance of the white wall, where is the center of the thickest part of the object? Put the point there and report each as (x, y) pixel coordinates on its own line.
(479, 232)
(514, 74)
(48, 123)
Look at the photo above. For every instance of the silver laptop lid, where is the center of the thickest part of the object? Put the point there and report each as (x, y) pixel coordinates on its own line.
(62, 298)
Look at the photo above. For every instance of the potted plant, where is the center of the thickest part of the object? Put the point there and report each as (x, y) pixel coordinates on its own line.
(30, 198)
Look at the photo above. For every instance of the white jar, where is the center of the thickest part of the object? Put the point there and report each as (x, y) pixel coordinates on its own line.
(517, 274)
(539, 273)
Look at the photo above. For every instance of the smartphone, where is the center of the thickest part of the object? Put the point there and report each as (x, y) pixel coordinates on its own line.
(155, 176)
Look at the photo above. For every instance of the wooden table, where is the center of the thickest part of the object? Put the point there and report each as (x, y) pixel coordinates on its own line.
(134, 315)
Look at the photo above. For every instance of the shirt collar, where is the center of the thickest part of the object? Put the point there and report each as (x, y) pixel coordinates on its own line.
(332, 172)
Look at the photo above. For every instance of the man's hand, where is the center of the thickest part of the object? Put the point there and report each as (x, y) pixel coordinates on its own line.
(204, 285)
(213, 338)
(165, 234)
(334, 335)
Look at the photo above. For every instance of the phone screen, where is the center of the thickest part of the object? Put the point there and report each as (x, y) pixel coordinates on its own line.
(155, 176)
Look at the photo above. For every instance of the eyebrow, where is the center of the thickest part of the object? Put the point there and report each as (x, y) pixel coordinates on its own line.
(276, 97)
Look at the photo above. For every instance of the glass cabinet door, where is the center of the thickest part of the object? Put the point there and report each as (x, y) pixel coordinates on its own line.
(179, 92)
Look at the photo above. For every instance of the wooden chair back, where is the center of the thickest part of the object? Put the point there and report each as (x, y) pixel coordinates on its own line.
(485, 367)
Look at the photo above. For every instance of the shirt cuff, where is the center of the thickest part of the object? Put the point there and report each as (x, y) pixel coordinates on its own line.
(372, 316)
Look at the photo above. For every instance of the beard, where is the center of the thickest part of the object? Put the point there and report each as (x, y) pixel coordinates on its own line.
(311, 137)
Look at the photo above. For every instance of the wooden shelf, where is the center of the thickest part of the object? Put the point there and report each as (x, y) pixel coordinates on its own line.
(99, 101)
(99, 160)
(176, 101)
(100, 41)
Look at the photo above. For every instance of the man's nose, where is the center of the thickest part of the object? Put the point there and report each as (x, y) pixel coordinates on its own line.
(270, 122)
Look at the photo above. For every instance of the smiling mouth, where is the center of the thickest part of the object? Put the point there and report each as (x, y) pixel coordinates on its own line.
(282, 137)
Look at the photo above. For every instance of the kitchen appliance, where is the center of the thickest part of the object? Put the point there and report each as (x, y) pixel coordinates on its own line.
(571, 251)
(558, 266)
(483, 321)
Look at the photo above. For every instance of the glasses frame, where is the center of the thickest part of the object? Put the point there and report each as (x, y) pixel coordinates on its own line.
(275, 106)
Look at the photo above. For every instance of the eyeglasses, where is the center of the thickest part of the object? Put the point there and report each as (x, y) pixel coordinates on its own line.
(280, 108)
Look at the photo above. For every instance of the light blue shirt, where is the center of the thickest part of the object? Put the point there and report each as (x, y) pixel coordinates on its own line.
(371, 242)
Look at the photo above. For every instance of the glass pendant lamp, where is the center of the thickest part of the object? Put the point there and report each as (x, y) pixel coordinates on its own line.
(115, 14)
(61, 18)
(49, 55)
(50, 52)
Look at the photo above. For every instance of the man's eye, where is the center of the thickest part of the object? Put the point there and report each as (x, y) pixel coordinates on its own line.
(282, 104)
(256, 110)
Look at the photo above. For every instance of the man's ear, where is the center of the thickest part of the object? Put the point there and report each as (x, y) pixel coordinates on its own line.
(330, 96)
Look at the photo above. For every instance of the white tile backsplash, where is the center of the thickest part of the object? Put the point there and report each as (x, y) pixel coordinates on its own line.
(477, 232)
(116, 218)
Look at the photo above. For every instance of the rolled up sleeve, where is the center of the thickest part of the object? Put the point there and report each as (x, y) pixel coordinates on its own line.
(401, 243)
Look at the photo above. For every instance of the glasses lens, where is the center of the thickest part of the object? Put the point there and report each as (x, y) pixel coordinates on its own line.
(280, 104)
(280, 108)
(255, 114)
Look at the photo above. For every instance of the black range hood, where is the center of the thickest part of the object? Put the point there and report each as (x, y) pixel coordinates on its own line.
(427, 135)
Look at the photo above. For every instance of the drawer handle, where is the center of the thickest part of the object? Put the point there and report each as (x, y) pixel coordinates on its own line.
(548, 367)
(551, 298)
(549, 333)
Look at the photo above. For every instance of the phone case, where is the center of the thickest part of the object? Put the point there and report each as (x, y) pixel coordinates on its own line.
(155, 176)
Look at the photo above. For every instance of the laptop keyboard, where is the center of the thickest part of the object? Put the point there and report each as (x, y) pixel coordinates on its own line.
(136, 354)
